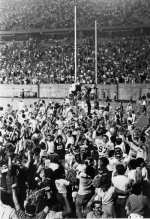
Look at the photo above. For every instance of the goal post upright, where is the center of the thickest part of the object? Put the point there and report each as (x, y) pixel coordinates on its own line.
(75, 39)
(96, 52)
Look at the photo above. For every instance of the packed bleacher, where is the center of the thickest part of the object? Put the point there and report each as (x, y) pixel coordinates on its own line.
(120, 60)
(71, 160)
(31, 14)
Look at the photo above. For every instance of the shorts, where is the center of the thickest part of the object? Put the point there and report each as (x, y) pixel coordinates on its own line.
(82, 200)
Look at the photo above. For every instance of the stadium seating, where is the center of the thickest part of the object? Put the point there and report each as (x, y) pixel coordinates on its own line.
(120, 60)
(31, 14)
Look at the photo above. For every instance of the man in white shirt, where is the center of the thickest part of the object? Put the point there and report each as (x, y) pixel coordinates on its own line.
(119, 180)
(122, 185)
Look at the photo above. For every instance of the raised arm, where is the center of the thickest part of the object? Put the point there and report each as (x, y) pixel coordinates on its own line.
(14, 196)
(9, 162)
(29, 159)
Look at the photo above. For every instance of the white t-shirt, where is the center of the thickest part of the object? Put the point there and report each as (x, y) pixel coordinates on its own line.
(50, 145)
(121, 182)
(112, 164)
(53, 166)
(61, 185)
(6, 212)
(54, 215)
(132, 175)
(135, 216)
(69, 158)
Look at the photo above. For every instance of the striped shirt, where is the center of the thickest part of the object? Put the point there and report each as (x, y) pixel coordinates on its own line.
(22, 215)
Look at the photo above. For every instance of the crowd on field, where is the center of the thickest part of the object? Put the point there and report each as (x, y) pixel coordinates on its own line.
(74, 159)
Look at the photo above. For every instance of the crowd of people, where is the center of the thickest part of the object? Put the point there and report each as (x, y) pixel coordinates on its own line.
(120, 60)
(47, 14)
(74, 160)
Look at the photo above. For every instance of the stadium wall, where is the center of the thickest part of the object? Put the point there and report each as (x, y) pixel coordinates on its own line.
(125, 92)
(107, 91)
(134, 91)
(14, 90)
(54, 90)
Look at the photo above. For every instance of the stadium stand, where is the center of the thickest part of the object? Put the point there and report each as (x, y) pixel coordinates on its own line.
(120, 60)
(31, 14)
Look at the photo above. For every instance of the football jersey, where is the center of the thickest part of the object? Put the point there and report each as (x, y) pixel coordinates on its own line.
(102, 147)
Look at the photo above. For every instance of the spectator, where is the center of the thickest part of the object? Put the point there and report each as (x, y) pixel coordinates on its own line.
(57, 165)
(96, 210)
(137, 203)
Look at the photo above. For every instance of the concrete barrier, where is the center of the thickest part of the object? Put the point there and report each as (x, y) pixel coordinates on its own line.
(62, 90)
(54, 90)
(134, 91)
(125, 92)
(107, 91)
(13, 90)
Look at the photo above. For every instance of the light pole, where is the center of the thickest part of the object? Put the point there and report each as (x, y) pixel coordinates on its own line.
(96, 52)
(96, 95)
(75, 39)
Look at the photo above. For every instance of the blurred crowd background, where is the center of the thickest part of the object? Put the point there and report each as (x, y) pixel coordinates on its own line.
(37, 60)
(30, 14)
